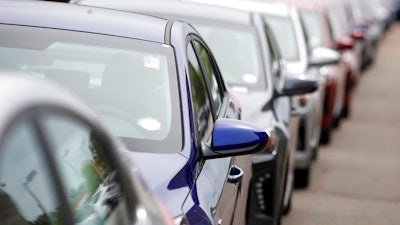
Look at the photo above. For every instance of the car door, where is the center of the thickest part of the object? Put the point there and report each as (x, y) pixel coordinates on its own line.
(207, 87)
(56, 169)
(286, 129)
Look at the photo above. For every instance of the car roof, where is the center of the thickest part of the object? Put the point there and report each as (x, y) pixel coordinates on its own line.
(304, 4)
(270, 8)
(83, 18)
(184, 9)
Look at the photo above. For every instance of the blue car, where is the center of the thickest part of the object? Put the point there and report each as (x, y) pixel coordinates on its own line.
(250, 63)
(155, 84)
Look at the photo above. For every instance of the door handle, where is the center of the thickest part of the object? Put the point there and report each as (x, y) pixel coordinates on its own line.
(235, 175)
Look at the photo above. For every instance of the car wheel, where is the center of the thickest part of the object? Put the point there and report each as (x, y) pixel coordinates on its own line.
(302, 178)
(288, 207)
(325, 136)
(336, 121)
(315, 153)
(285, 209)
(346, 112)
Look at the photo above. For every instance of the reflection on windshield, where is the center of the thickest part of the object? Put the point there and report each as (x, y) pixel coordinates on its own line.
(235, 52)
(27, 195)
(93, 185)
(284, 32)
(131, 84)
(27, 191)
(313, 28)
(335, 23)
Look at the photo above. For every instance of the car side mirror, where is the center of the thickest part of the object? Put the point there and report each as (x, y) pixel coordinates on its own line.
(321, 56)
(231, 137)
(297, 86)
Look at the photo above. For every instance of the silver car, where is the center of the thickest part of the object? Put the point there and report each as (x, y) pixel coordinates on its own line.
(287, 27)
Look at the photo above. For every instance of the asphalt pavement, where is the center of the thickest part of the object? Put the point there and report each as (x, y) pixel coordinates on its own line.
(356, 179)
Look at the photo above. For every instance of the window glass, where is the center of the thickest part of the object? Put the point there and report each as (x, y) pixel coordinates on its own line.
(93, 188)
(27, 195)
(313, 28)
(131, 84)
(335, 25)
(210, 75)
(287, 42)
(236, 53)
(356, 10)
(200, 101)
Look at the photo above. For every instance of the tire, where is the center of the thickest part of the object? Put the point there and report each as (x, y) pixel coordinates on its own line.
(336, 121)
(286, 209)
(346, 112)
(302, 178)
(325, 137)
(315, 153)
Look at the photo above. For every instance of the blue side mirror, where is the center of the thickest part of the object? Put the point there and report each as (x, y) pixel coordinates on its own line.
(232, 137)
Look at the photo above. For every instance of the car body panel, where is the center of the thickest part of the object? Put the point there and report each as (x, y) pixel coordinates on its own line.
(278, 122)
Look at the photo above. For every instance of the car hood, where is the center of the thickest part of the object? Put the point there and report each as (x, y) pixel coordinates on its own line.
(165, 175)
(252, 103)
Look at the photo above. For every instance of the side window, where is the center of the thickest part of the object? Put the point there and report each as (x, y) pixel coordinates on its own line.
(210, 75)
(330, 29)
(200, 100)
(89, 177)
(27, 195)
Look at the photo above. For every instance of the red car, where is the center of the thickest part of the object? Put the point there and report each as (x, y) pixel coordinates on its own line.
(349, 41)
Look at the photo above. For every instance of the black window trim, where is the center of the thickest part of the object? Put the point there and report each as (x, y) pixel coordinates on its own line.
(222, 88)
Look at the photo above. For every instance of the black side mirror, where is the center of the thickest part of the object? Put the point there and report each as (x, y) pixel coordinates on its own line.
(297, 86)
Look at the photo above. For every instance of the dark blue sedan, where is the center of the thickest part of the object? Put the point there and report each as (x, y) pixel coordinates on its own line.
(156, 85)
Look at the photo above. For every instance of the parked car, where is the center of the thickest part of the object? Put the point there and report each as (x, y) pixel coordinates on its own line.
(285, 22)
(54, 153)
(319, 34)
(346, 29)
(365, 21)
(348, 44)
(249, 60)
(156, 86)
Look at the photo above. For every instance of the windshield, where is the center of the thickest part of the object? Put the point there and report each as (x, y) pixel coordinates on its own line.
(284, 32)
(335, 23)
(356, 11)
(236, 53)
(131, 84)
(313, 28)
